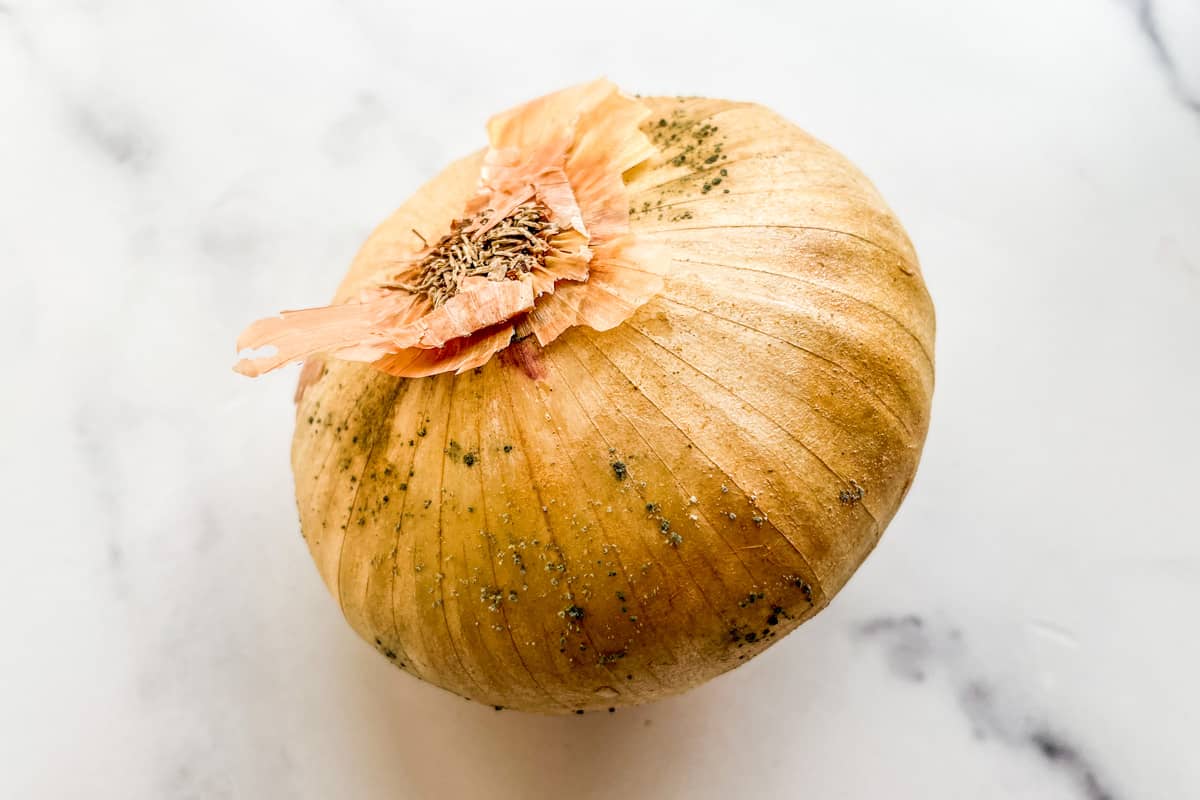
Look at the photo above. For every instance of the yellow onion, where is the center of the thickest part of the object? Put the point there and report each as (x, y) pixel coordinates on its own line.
(618, 515)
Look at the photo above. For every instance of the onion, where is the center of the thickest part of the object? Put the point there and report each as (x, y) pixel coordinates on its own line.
(622, 509)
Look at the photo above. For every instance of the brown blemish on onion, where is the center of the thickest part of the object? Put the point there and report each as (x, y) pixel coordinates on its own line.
(526, 354)
(312, 371)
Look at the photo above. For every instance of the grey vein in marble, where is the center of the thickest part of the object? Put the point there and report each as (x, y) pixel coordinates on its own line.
(115, 133)
(92, 434)
(913, 649)
(1185, 84)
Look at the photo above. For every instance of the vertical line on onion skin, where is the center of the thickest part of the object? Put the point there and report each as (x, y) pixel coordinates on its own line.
(848, 267)
(641, 499)
(402, 504)
(773, 581)
(742, 400)
(882, 403)
(904, 429)
(395, 642)
(474, 623)
(483, 494)
(800, 554)
(514, 426)
(787, 425)
(534, 484)
(700, 511)
(729, 390)
(791, 276)
(683, 492)
(337, 448)
(441, 501)
(683, 436)
(427, 393)
(510, 393)
(380, 427)
(323, 476)
(895, 363)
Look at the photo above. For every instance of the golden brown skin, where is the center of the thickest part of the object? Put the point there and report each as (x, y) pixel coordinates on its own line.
(624, 515)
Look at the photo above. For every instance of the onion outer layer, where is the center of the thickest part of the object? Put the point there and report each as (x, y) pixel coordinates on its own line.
(624, 515)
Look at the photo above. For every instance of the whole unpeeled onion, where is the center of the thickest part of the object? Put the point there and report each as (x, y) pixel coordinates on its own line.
(622, 515)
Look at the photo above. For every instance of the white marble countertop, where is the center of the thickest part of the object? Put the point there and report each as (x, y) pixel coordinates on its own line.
(171, 170)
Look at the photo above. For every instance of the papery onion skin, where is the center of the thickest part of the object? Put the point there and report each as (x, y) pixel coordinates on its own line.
(767, 411)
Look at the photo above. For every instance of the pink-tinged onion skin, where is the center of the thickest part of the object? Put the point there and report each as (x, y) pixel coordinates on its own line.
(623, 515)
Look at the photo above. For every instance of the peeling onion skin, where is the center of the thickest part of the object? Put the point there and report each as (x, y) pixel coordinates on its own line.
(768, 409)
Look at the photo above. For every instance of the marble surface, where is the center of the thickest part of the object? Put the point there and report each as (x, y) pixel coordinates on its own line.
(172, 170)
